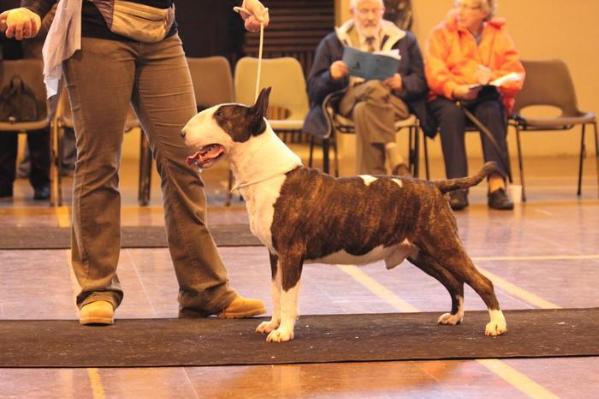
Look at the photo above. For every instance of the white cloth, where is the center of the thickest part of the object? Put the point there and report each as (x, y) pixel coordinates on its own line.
(63, 40)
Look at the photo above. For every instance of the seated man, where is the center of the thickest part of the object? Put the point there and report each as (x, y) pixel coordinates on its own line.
(464, 54)
(373, 105)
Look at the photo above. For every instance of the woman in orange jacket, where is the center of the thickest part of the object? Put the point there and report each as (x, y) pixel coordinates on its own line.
(465, 56)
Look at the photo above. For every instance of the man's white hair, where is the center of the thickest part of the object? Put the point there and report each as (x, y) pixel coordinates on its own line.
(354, 3)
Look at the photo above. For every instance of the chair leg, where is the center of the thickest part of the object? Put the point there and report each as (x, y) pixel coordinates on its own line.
(520, 164)
(311, 151)
(55, 197)
(416, 151)
(581, 155)
(60, 153)
(145, 171)
(325, 155)
(427, 165)
(508, 164)
(335, 155)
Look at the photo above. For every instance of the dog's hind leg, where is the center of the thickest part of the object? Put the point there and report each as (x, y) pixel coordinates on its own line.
(430, 266)
(463, 269)
(267, 326)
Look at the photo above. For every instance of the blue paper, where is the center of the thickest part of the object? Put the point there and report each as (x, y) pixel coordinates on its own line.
(369, 66)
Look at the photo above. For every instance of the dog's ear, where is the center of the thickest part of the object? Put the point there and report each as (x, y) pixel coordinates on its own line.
(258, 112)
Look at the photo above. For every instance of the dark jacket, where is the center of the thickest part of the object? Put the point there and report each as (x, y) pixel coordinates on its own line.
(411, 69)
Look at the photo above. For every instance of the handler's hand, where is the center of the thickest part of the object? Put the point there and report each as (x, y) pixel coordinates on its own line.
(339, 70)
(258, 14)
(394, 82)
(466, 92)
(20, 23)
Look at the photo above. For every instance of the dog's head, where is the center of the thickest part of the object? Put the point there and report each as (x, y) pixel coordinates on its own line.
(213, 132)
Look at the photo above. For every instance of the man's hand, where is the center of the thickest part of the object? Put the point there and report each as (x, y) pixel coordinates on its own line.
(254, 14)
(394, 82)
(339, 70)
(466, 92)
(20, 23)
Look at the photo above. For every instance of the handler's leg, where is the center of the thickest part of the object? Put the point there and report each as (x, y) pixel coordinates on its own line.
(164, 101)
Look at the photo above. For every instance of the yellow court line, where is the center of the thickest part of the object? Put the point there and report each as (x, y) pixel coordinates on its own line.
(513, 377)
(96, 384)
(517, 379)
(93, 374)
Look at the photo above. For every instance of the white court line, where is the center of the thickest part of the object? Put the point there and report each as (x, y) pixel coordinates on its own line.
(512, 376)
(537, 257)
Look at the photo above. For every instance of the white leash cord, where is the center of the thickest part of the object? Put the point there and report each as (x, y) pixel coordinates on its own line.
(259, 73)
(243, 11)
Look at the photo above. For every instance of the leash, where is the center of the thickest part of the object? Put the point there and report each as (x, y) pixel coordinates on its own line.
(243, 11)
(487, 133)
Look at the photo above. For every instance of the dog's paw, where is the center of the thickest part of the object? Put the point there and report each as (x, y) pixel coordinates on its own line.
(497, 325)
(280, 335)
(450, 319)
(266, 327)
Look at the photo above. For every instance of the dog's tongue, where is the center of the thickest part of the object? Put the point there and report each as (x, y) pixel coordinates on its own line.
(205, 155)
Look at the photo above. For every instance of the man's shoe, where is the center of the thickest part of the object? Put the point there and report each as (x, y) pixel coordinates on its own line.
(401, 169)
(458, 199)
(498, 199)
(97, 313)
(41, 193)
(242, 307)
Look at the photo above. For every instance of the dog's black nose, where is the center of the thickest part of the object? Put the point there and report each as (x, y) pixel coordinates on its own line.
(182, 133)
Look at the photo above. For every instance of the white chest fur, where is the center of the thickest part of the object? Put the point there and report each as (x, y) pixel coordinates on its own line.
(260, 201)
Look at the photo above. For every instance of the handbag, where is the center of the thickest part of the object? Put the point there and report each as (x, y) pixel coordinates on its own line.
(136, 21)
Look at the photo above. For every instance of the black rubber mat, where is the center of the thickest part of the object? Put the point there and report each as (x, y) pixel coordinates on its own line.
(230, 235)
(318, 339)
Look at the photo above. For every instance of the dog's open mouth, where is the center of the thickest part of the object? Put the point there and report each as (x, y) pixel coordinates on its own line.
(206, 156)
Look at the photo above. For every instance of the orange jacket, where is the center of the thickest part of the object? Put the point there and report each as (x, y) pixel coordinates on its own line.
(452, 57)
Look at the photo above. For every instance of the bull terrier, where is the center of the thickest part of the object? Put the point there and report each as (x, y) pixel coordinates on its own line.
(304, 216)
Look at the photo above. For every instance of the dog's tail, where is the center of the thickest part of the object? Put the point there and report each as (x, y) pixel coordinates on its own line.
(465, 182)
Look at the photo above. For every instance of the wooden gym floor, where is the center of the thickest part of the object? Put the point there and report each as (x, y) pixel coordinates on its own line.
(544, 254)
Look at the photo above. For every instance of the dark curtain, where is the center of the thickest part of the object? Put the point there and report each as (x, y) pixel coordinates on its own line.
(210, 27)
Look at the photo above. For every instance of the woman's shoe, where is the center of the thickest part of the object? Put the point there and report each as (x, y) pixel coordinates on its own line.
(242, 307)
(498, 199)
(97, 313)
(458, 199)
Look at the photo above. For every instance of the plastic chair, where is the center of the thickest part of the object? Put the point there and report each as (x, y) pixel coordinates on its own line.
(31, 72)
(212, 81)
(286, 77)
(548, 83)
(340, 124)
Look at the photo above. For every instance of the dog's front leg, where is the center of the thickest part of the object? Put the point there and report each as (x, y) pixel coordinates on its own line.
(289, 269)
(266, 327)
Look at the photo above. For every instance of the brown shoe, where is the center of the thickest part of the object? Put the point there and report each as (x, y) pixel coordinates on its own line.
(98, 313)
(242, 307)
(401, 169)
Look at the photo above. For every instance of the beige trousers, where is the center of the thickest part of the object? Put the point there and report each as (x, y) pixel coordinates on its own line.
(374, 110)
(102, 80)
